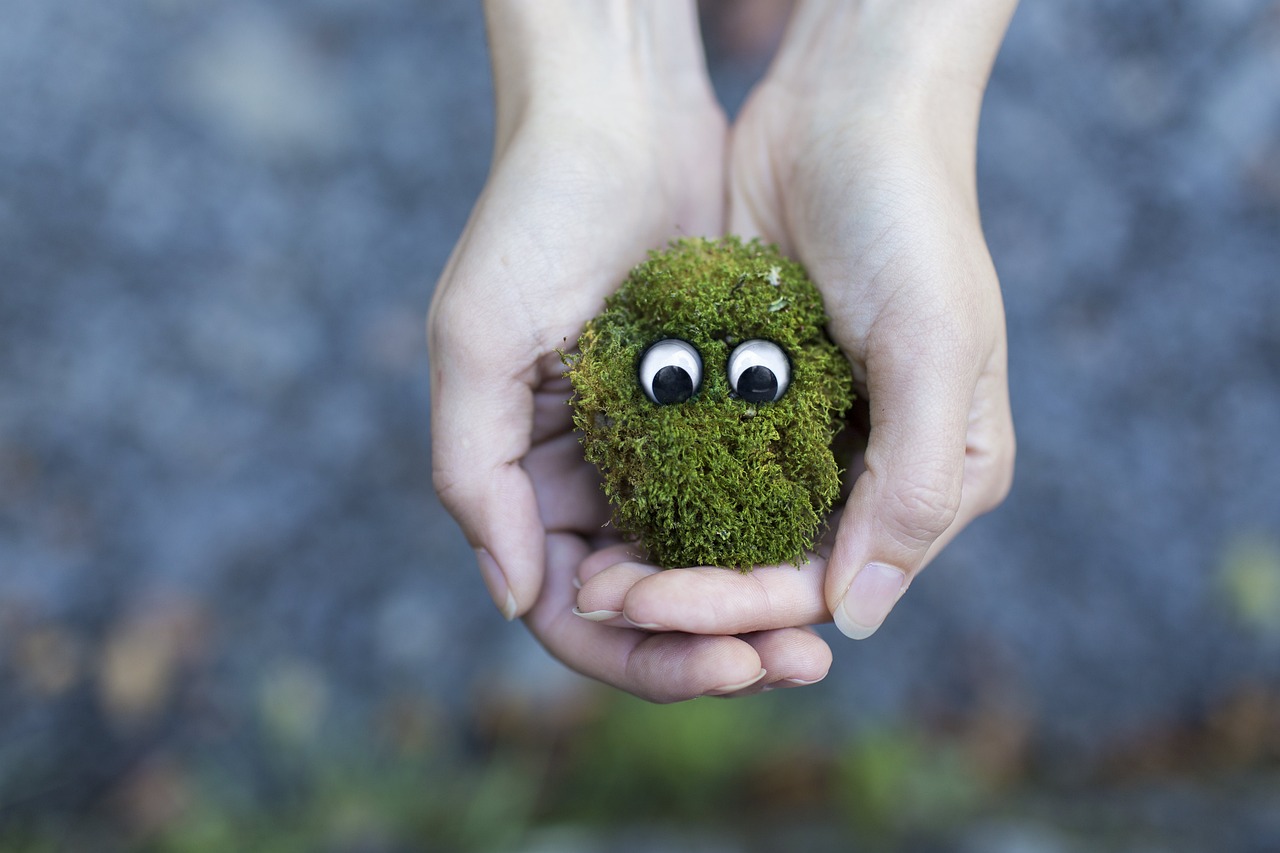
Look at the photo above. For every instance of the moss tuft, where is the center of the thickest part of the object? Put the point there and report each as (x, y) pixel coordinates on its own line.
(714, 480)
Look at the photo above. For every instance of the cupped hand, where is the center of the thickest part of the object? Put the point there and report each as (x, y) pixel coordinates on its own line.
(866, 178)
(581, 187)
(878, 200)
(869, 182)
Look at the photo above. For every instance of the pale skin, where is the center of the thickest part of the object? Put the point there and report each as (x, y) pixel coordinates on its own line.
(856, 155)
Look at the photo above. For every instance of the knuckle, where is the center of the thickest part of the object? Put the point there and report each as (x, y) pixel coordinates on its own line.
(639, 680)
(438, 315)
(457, 313)
(453, 488)
(923, 508)
(445, 330)
(995, 479)
(1003, 483)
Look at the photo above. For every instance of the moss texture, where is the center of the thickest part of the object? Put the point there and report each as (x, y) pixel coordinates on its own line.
(714, 480)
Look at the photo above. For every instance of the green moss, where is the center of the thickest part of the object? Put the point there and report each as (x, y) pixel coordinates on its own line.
(714, 480)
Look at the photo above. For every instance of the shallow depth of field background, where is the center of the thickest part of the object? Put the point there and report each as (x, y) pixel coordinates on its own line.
(234, 616)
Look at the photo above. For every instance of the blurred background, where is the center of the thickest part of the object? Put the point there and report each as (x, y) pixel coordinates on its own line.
(234, 616)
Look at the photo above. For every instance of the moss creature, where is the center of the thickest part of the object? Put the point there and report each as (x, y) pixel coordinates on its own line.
(708, 394)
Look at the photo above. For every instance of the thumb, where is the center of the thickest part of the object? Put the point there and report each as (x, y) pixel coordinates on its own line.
(909, 494)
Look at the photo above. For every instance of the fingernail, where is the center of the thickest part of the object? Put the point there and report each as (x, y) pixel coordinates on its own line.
(800, 682)
(871, 596)
(734, 688)
(644, 626)
(496, 581)
(596, 615)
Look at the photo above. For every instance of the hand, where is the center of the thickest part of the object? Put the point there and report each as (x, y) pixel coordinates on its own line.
(856, 156)
(590, 171)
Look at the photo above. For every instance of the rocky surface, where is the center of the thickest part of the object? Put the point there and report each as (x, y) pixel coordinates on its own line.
(219, 230)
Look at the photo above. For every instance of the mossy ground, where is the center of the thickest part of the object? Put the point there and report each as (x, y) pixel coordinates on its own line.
(714, 480)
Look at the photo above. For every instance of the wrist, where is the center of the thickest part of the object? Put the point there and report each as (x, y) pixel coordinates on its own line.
(899, 56)
(579, 60)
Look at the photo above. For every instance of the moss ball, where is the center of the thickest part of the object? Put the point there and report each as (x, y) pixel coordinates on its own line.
(725, 458)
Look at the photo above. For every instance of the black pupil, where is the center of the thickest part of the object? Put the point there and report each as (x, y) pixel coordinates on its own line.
(757, 384)
(672, 384)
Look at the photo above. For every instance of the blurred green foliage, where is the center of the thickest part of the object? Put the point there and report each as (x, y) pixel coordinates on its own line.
(1249, 577)
(756, 773)
(414, 781)
(687, 761)
(896, 780)
(368, 803)
(768, 759)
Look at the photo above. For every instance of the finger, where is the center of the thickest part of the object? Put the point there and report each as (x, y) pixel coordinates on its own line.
(793, 657)
(910, 491)
(711, 600)
(481, 411)
(675, 667)
(601, 598)
(988, 459)
(606, 557)
(822, 548)
(567, 486)
(552, 414)
(656, 667)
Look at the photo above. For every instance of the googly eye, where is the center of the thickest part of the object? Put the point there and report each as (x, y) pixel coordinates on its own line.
(759, 371)
(670, 371)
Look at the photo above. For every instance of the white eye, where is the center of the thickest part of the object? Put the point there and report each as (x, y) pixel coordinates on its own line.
(759, 371)
(670, 371)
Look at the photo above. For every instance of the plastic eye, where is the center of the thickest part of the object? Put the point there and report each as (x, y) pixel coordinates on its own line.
(759, 371)
(670, 371)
